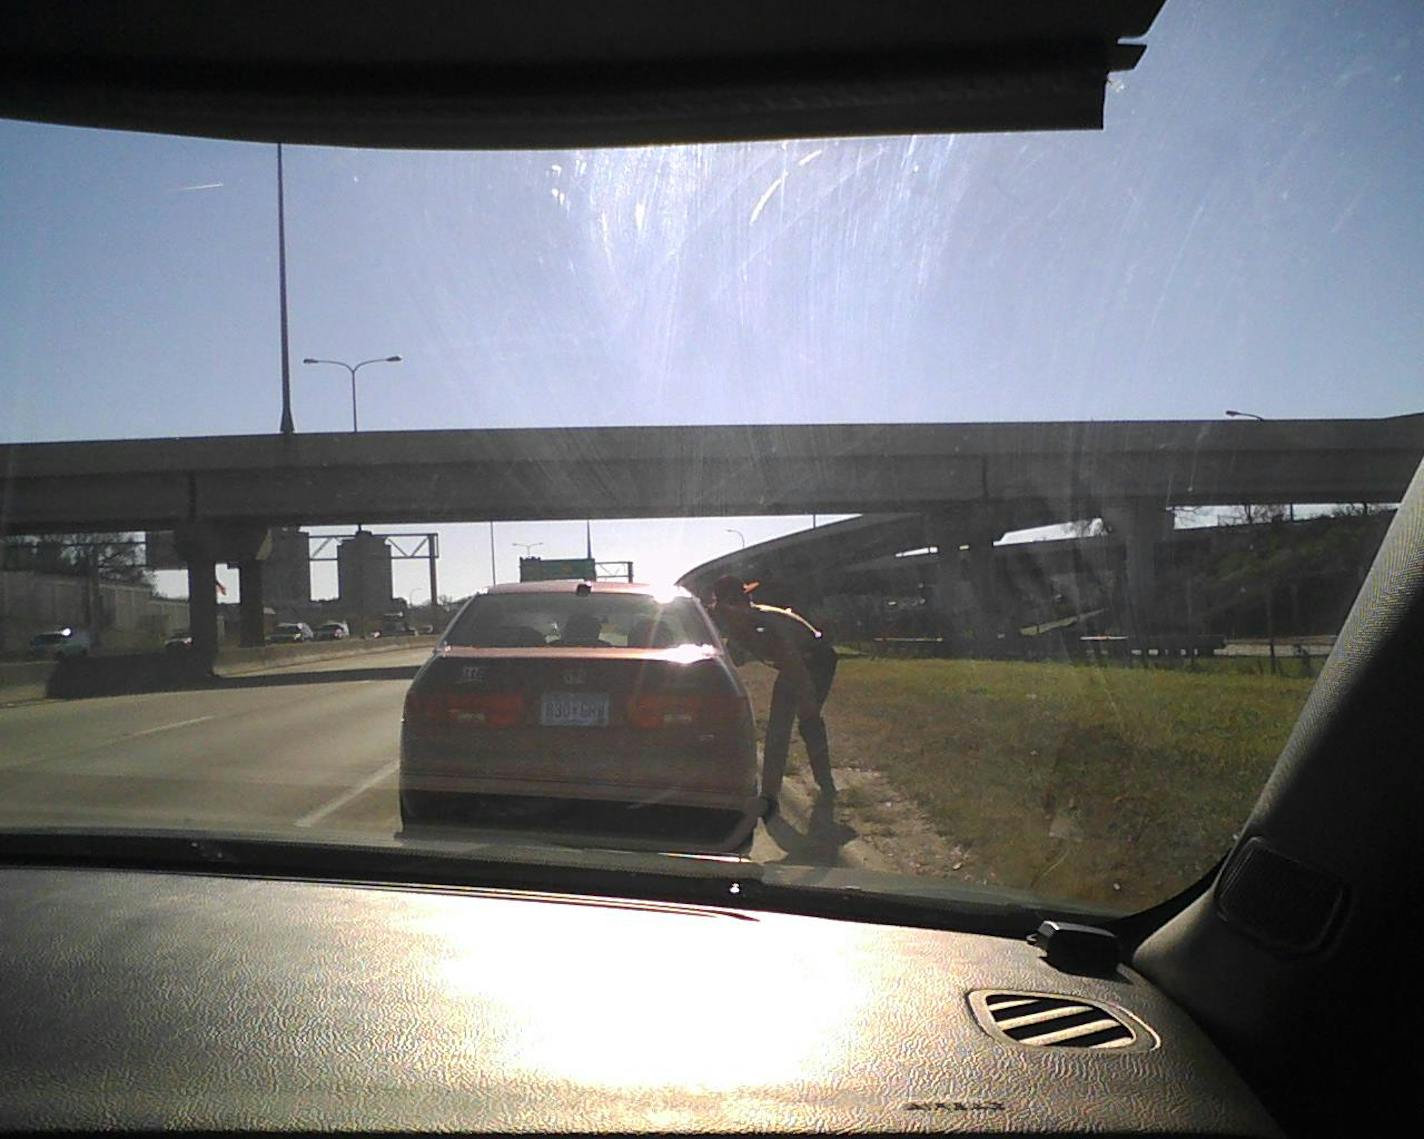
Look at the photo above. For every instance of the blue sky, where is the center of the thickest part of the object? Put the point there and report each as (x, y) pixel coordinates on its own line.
(1246, 233)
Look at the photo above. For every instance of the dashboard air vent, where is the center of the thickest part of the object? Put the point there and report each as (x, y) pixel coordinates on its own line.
(1041, 1020)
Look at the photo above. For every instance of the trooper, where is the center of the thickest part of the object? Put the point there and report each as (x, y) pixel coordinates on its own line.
(805, 664)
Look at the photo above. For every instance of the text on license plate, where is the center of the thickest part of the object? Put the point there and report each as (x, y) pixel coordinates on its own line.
(574, 710)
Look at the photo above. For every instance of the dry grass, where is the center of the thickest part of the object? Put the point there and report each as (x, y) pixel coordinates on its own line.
(1105, 784)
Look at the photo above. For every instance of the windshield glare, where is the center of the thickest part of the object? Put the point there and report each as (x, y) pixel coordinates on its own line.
(1017, 485)
(525, 620)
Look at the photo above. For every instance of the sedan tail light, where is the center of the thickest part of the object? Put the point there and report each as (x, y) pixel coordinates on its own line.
(466, 709)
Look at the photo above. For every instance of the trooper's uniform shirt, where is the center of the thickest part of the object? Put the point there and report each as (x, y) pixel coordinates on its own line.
(780, 635)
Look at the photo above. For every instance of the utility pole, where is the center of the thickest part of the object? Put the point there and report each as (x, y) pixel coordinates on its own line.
(432, 547)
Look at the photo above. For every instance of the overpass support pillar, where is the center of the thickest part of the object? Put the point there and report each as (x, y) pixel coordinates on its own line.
(203, 609)
(1142, 523)
(965, 537)
(250, 608)
(203, 545)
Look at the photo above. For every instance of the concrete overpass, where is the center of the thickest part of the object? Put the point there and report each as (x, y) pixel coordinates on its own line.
(970, 482)
(835, 569)
(1039, 471)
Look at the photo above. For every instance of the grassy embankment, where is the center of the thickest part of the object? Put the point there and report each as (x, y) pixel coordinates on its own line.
(1099, 783)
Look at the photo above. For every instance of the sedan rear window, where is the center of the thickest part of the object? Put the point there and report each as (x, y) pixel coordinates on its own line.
(598, 620)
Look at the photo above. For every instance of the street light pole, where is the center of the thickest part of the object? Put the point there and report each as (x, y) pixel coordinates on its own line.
(739, 534)
(353, 369)
(288, 426)
(527, 546)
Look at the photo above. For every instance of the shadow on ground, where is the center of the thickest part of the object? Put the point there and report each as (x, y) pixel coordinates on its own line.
(75, 678)
(817, 843)
(316, 676)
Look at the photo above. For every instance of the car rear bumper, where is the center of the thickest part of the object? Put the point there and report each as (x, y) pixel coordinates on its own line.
(574, 789)
(713, 792)
(722, 766)
(572, 816)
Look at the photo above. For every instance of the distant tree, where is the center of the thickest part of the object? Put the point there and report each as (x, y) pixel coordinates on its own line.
(1088, 528)
(1280, 557)
(114, 556)
(1252, 513)
(1359, 509)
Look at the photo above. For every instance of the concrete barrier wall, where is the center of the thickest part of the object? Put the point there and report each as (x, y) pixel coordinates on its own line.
(76, 677)
(274, 656)
(24, 681)
(30, 680)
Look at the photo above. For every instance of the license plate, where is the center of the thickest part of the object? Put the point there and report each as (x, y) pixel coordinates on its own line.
(574, 710)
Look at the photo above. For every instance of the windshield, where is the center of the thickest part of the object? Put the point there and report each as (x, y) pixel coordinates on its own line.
(1017, 484)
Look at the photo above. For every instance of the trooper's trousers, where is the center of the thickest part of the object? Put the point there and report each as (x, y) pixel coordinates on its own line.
(821, 664)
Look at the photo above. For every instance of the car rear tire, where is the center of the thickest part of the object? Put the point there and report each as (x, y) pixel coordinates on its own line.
(417, 807)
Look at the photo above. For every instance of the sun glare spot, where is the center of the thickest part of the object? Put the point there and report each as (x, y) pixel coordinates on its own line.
(633, 1000)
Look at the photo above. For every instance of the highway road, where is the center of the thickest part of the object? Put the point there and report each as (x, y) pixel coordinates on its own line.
(308, 750)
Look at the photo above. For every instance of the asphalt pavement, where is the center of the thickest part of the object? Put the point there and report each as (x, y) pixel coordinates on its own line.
(308, 750)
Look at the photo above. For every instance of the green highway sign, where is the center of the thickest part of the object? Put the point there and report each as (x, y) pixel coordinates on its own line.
(556, 569)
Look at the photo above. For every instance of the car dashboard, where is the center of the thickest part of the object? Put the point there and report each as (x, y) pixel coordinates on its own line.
(143, 1000)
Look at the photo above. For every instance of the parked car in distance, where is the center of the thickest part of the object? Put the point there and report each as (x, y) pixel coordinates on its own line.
(332, 631)
(57, 643)
(291, 632)
(604, 710)
(179, 642)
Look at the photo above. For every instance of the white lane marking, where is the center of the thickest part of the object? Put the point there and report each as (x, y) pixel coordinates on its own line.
(76, 752)
(166, 728)
(346, 796)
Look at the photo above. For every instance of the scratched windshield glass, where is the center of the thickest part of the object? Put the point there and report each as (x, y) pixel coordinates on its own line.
(978, 509)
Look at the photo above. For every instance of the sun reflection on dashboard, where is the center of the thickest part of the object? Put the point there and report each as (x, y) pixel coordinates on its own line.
(636, 1003)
